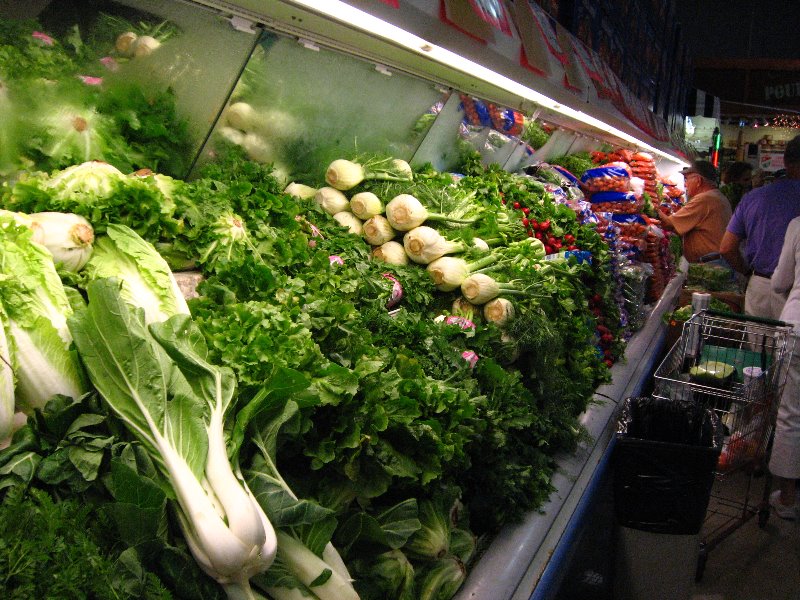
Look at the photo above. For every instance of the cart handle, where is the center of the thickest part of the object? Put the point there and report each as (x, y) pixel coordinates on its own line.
(743, 317)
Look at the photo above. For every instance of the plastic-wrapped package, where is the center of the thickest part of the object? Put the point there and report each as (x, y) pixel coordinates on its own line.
(611, 177)
(634, 288)
(615, 202)
(557, 176)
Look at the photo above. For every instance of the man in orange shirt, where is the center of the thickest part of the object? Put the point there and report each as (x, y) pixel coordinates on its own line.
(701, 222)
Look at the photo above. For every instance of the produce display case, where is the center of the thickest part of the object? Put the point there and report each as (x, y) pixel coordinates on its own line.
(318, 86)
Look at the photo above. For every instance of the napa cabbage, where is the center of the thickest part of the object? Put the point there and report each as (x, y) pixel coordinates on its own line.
(36, 306)
(147, 281)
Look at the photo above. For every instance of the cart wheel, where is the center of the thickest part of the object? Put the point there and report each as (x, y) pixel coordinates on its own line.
(702, 557)
(763, 517)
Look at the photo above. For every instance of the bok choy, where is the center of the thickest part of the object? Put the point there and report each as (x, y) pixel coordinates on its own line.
(158, 381)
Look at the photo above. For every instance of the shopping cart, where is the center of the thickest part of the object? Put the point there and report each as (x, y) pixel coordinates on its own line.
(735, 365)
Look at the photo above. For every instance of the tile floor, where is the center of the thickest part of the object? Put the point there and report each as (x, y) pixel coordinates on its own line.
(751, 563)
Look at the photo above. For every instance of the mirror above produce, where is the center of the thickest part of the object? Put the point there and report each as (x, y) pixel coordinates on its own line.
(299, 118)
(113, 81)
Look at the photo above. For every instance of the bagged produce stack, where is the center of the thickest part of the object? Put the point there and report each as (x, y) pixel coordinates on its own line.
(644, 167)
(657, 255)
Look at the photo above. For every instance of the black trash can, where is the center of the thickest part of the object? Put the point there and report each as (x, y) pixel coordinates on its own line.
(664, 460)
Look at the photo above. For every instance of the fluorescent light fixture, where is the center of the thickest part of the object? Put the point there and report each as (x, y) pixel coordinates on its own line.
(340, 11)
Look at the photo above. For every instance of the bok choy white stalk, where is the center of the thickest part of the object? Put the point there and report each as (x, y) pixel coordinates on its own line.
(307, 565)
(158, 381)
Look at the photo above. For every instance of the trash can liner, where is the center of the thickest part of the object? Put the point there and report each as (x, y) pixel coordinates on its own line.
(664, 461)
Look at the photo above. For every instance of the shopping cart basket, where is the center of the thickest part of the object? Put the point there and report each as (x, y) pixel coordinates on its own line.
(710, 364)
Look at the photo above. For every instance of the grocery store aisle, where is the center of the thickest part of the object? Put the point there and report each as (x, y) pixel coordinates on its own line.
(753, 563)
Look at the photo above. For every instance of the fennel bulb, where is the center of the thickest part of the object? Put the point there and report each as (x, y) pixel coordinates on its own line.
(124, 43)
(242, 116)
(405, 212)
(391, 252)
(346, 174)
(349, 220)
(233, 135)
(480, 244)
(298, 190)
(331, 200)
(424, 245)
(479, 288)
(403, 168)
(145, 45)
(159, 383)
(377, 230)
(464, 308)
(498, 311)
(67, 236)
(365, 205)
(257, 148)
(449, 272)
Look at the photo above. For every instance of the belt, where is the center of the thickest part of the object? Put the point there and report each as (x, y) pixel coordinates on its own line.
(764, 275)
(709, 257)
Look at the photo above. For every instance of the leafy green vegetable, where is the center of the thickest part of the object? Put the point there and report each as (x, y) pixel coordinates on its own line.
(35, 311)
(177, 410)
(57, 549)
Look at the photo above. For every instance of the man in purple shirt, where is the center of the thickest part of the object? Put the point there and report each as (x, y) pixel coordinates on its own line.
(761, 219)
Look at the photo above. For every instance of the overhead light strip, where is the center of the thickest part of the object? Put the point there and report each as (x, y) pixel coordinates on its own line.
(340, 11)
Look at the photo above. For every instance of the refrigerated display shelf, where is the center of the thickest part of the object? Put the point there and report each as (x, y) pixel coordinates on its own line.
(527, 560)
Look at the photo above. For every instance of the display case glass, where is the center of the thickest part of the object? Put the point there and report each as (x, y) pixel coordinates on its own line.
(300, 106)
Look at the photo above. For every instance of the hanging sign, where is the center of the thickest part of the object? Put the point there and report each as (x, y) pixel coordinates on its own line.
(460, 15)
(494, 13)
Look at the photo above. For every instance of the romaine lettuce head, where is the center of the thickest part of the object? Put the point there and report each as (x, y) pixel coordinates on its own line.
(147, 279)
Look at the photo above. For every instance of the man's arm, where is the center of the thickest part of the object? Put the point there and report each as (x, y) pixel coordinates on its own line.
(666, 221)
(729, 248)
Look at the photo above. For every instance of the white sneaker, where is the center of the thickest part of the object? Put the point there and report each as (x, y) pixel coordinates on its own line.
(782, 510)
